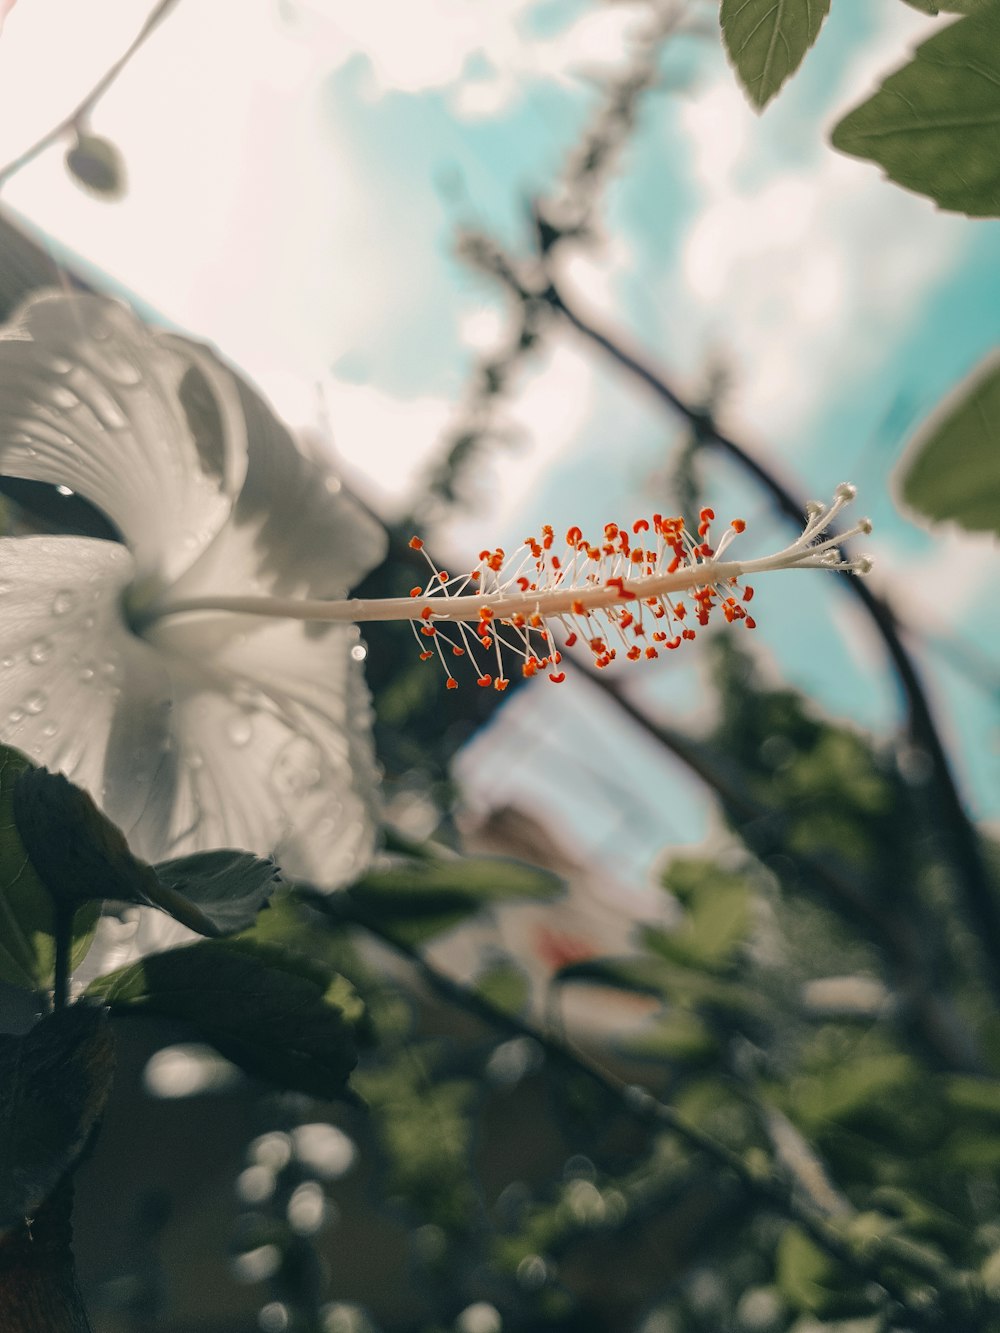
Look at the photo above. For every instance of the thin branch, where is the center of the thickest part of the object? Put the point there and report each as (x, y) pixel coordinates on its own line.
(959, 835)
(765, 1184)
(92, 98)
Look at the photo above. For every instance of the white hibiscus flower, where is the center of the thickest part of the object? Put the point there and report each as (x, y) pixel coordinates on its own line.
(199, 730)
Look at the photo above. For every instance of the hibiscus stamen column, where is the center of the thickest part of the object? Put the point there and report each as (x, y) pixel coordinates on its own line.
(634, 594)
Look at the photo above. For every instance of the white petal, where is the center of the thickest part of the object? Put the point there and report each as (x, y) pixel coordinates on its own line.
(294, 532)
(272, 737)
(146, 427)
(71, 674)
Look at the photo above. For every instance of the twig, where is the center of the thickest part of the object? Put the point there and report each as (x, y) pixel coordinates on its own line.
(91, 99)
(960, 838)
(765, 1184)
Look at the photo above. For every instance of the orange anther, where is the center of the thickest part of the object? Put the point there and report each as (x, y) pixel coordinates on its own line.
(476, 575)
(659, 635)
(486, 641)
(416, 592)
(429, 631)
(451, 683)
(626, 619)
(738, 525)
(416, 544)
(651, 652)
(748, 594)
(706, 514)
(535, 620)
(640, 525)
(501, 683)
(523, 583)
(570, 640)
(485, 681)
(485, 555)
(578, 609)
(556, 658)
(750, 622)
(457, 652)
(426, 613)
(425, 655)
(573, 535)
(442, 576)
(634, 653)
(557, 677)
(485, 613)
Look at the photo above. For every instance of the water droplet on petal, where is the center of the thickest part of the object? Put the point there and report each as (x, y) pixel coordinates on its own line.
(50, 729)
(60, 365)
(195, 760)
(239, 729)
(35, 702)
(359, 652)
(64, 397)
(6, 662)
(87, 673)
(15, 715)
(40, 652)
(63, 602)
(298, 767)
(4, 589)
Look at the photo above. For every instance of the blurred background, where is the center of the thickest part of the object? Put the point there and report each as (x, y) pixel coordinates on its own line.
(418, 227)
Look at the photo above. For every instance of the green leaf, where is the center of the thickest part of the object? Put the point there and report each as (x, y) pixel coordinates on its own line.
(27, 952)
(717, 916)
(933, 125)
(767, 39)
(278, 1015)
(225, 888)
(78, 854)
(948, 6)
(952, 468)
(505, 986)
(417, 900)
(54, 1082)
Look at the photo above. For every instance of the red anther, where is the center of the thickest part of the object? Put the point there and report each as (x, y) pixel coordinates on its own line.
(626, 619)
(517, 620)
(501, 683)
(703, 529)
(688, 634)
(634, 653)
(442, 576)
(570, 640)
(425, 655)
(529, 667)
(535, 620)
(486, 641)
(547, 538)
(680, 610)
(651, 653)
(557, 677)
(674, 643)
(705, 550)
(748, 594)
(451, 683)
(659, 611)
(659, 635)
(594, 552)
(738, 525)
(523, 583)
(457, 652)
(638, 556)
(485, 681)
(639, 631)
(578, 609)
(640, 525)
(416, 592)
(706, 513)
(485, 555)
(623, 542)
(573, 535)
(611, 531)
(750, 622)
(556, 658)
(426, 613)
(598, 646)
(416, 544)
(674, 565)
(485, 613)
(556, 563)
(602, 662)
(429, 631)
(476, 575)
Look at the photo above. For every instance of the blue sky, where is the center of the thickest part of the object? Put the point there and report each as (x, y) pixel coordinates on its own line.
(296, 174)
